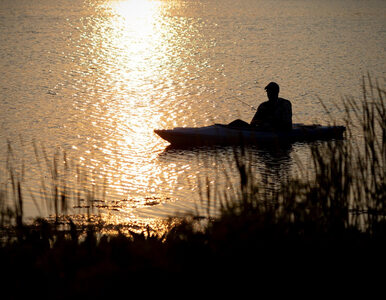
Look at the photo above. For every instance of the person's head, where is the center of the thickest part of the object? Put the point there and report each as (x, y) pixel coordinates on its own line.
(272, 91)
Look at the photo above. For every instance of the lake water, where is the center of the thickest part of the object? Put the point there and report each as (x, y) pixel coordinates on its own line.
(94, 78)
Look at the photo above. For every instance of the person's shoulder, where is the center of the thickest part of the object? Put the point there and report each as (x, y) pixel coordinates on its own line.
(264, 104)
(284, 101)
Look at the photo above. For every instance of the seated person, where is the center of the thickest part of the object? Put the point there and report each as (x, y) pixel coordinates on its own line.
(272, 115)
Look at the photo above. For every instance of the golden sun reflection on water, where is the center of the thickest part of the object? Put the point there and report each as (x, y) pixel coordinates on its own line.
(96, 77)
(129, 44)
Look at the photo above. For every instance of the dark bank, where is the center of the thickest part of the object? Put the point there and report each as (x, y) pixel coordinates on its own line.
(329, 226)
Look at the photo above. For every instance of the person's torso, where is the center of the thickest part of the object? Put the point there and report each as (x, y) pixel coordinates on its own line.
(276, 109)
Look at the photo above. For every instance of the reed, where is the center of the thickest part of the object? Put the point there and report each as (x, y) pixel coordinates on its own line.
(322, 221)
(63, 187)
(346, 188)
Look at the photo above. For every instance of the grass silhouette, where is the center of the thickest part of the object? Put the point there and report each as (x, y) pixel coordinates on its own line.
(329, 222)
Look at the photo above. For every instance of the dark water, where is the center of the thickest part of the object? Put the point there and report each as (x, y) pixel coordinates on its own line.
(95, 78)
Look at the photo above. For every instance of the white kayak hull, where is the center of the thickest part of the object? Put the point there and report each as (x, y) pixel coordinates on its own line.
(219, 134)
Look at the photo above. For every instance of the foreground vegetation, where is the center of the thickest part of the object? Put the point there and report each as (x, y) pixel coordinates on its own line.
(320, 229)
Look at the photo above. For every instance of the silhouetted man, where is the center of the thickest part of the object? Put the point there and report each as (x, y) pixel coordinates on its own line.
(272, 115)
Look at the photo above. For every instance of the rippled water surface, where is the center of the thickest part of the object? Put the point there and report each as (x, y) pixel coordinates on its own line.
(93, 79)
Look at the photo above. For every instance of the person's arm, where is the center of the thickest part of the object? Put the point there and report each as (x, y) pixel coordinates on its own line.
(258, 117)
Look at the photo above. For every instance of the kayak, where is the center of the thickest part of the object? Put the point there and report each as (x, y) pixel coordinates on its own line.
(221, 134)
